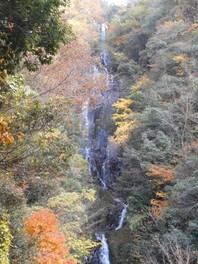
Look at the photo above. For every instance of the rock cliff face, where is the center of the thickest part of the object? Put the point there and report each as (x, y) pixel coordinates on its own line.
(101, 155)
(104, 166)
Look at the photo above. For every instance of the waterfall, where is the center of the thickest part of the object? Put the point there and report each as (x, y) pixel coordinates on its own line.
(85, 112)
(122, 217)
(104, 249)
(104, 186)
(101, 154)
(86, 124)
(103, 32)
(110, 80)
(105, 60)
(95, 70)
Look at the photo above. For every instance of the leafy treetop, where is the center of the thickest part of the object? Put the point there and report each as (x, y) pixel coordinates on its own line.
(31, 32)
(43, 227)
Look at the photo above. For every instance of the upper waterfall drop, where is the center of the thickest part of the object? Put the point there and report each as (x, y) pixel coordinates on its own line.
(85, 112)
(98, 152)
(104, 53)
(103, 32)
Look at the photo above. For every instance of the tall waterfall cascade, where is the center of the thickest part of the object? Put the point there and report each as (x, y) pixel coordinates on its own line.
(100, 153)
(103, 32)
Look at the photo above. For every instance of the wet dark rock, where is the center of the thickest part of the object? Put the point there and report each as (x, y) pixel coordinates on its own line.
(102, 159)
(113, 219)
(101, 155)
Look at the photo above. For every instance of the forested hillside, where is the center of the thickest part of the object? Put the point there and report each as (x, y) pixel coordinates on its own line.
(45, 187)
(98, 132)
(154, 48)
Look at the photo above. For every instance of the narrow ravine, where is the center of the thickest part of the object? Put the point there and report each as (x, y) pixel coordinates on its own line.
(101, 154)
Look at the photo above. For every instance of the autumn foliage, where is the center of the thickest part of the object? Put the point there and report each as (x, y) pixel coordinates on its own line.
(123, 119)
(143, 80)
(72, 73)
(159, 175)
(6, 136)
(180, 61)
(42, 226)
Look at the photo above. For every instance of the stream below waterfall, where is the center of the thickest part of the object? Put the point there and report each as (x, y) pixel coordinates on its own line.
(104, 249)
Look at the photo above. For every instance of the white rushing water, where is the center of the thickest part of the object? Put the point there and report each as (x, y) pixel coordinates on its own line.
(95, 71)
(98, 151)
(104, 57)
(104, 185)
(104, 249)
(103, 32)
(86, 125)
(122, 217)
(85, 112)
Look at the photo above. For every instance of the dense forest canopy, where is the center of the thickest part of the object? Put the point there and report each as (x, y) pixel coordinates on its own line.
(45, 188)
(154, 52)
(52, 67)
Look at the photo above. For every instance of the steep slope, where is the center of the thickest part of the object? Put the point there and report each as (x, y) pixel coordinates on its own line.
(154, 53)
